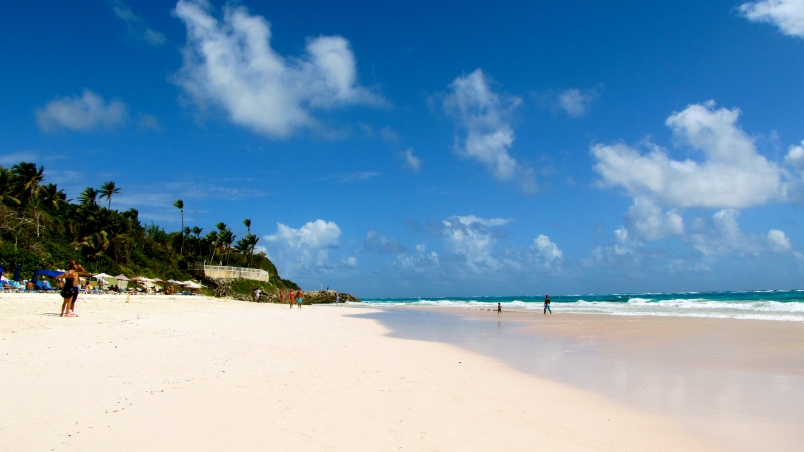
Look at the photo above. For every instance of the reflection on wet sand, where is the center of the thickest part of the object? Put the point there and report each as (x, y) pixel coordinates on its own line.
(740, 382)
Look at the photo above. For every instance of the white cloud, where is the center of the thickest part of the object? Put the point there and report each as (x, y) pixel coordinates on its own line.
(135, 24)
(732, 175)
(379, 243)
(778, 241)
(230, 63)
(788, 15)
(348, 178)
(489, 136)
(545, 251)
(84, 113)
(721, 236)
(576, 102)
(303, 251)
(626, 251)
(411, 160)
(16, 157)
(794, 188)
(420, 261)
(795, 157)
(388, 134)
(648, 222)
(472, 239)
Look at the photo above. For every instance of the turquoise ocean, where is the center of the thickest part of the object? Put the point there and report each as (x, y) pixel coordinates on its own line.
(783, 305)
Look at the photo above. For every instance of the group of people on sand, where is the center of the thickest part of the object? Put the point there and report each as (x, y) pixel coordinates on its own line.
(292, 297)
(70, 288)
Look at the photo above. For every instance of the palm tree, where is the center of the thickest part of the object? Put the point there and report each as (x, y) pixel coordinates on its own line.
(107, 190)
(7, 187)
(212, 238)
(27, 178)
(247, 222)
(89, 197)
(226, 237)
(197, 232)
(26, 183)
(52, 197)
(179, 204)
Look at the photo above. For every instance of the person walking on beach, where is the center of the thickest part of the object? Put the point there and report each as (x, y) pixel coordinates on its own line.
(547, 305)
(499, 308)
(257, 295)
(337, 299)
(299, 298)
(69, 291)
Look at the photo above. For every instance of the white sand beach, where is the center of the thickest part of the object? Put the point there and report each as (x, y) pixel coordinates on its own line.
(194, 373)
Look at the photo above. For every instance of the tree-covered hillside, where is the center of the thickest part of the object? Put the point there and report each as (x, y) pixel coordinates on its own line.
(41, 228)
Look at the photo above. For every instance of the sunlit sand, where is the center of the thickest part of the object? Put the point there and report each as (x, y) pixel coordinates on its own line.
(194, 373)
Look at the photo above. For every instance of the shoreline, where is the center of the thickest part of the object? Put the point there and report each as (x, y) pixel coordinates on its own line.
(740, 382)
(193, 372)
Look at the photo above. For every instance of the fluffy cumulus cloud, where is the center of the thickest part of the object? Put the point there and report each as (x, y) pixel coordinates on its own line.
(732, 174)
(720, 235)
(788, 15)
(484, 117)
(648, 222)
(82, 113)
(795, 157)
(135, 24)
(472, 239)
(794, 188)
(546, 252)
(626, 251)
(303, 251)
(575, 102)
(230, 63)
(419, 261)
(377, 242)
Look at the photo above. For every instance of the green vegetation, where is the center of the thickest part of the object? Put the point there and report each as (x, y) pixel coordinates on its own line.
(248, 286)
(41, 228)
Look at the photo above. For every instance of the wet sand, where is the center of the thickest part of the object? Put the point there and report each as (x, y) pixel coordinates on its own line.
(190, 373)
(737, 382)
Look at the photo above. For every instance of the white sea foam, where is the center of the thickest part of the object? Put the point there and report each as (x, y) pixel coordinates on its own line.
(638, 306)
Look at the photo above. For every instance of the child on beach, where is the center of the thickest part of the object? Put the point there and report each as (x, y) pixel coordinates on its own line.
(547, 304)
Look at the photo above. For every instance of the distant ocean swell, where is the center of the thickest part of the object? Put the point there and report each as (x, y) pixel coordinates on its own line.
(784, 305)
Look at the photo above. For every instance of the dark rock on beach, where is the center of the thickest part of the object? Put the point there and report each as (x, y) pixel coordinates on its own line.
(312, 297)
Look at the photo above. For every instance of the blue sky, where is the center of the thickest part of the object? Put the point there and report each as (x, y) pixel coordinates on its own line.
(434, 148)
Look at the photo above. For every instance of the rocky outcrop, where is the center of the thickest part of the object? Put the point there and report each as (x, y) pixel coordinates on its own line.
(312, 297)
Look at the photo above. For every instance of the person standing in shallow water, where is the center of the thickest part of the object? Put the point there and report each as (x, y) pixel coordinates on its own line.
(499, 308)
(547, 304)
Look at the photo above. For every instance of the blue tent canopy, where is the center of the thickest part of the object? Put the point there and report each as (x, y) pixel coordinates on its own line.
(45, 273)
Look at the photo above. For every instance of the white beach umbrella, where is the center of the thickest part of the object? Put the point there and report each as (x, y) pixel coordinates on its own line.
(102, 275)
(121, 278)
